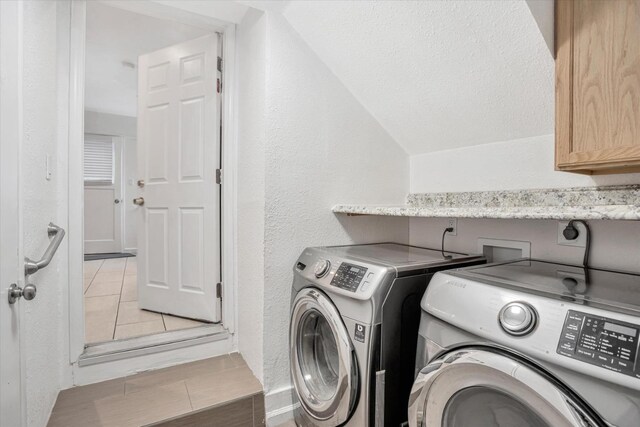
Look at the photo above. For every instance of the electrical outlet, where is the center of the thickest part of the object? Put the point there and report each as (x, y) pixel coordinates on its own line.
(580, 242)
(453, 223)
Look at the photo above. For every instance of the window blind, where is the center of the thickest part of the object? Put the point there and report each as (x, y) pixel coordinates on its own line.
(98, 162)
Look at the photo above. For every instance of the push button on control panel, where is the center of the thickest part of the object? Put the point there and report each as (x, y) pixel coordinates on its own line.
(348, 276)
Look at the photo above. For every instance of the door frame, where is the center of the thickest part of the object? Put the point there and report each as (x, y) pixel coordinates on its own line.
(12, 364)
(228, 232)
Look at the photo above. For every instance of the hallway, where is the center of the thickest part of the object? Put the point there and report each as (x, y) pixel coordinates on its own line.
(111, 304)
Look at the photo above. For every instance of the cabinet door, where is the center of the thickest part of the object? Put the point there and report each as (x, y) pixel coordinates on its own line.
(598, 85)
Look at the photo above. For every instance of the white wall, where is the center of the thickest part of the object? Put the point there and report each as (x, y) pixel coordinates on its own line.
(45, 340)
(109, 124)
(123, 127)
(509, 165)
(615, 244)
(322, 148)
(251, 40)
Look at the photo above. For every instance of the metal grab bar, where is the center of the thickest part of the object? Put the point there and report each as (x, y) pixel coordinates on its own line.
(57, 233)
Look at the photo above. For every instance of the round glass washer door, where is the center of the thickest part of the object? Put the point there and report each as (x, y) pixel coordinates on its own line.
(323, 364)
(486, 387)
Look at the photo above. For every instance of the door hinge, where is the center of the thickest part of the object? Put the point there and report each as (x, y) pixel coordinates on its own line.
(219, 64)
(219, 290)
(218, 176)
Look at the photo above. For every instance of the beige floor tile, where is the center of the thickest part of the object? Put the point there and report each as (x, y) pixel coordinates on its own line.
(101, 306)
(145, 407)
(90, 267)
(100, 317)
(114, 264)
(74, 398)
(132, 267)
(196, 369)
(217, 387)
(159, 395)
(130, 313)
(139, 329)
(108, 276)
(104, 288)
(87, 282)
(129, 289)
(173, 323)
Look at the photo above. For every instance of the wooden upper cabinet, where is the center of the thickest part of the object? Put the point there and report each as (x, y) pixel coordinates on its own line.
(598, 86)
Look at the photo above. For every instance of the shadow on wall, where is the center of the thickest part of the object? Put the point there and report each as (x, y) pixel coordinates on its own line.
(375, 229)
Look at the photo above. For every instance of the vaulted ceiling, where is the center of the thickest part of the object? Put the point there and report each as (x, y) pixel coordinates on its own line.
(437, 74)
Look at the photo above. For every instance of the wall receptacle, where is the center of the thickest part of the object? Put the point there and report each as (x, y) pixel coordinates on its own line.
(580, 242)
(453, 223)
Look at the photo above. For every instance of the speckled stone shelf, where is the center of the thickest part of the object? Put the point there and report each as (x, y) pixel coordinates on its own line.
(613, 202)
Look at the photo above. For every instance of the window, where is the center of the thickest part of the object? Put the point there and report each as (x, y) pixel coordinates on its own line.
(98, 160)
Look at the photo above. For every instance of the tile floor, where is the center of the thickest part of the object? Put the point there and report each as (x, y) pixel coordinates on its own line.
(111, 304)
(220, 391)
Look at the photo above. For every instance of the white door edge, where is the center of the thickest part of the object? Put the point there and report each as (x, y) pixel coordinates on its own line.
(75, 202)
(13, 411)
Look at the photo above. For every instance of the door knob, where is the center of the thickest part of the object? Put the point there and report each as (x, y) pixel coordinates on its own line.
(16, 292)
(141, 183)
(138, 201)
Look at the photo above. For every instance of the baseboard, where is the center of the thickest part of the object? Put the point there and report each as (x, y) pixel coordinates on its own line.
(281, 416)
(279, 405)
(131, 250)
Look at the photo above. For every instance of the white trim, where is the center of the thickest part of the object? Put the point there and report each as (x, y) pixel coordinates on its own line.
(13, 394)
(76, 203)
(280, 416)
(279, 405)
(133, 365)
(229, 193)
(150, 344)
(76, 183)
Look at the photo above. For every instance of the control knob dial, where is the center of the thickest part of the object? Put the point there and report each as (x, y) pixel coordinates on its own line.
(321, 268)
(517, 318)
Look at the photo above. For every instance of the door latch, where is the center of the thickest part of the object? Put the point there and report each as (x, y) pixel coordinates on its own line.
(16, 292)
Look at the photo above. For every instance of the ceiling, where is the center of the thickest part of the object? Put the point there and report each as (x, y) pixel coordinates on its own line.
(113, 36)
(437, 74)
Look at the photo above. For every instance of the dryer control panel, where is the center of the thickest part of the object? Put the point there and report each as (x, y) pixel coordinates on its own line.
(600, 341)
(348, 276)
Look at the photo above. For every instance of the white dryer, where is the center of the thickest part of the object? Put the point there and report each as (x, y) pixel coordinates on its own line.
(355, 312)
(528, 343)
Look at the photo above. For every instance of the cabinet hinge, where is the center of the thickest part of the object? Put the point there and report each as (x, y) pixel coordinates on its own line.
(219, 290)
(219, 64)
(218, 176)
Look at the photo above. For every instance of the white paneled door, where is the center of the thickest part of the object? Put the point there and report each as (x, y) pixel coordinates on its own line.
(178, 153)
(102, 194)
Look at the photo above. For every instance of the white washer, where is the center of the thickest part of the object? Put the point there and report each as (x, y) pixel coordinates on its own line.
(355, 312)
(528, 343)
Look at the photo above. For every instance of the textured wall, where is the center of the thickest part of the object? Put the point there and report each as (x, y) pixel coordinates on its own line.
(509, 165)
(437, 74)
(322, 148)
(251, 169)
(45, 337)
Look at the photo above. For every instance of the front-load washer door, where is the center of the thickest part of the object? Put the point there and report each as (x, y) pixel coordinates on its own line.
(491, 388)
(323, 363)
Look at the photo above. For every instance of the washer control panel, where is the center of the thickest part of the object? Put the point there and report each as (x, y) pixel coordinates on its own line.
(348, 276)
(600, 341)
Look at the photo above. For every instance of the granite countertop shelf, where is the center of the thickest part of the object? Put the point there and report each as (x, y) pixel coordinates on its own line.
(612, 203)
